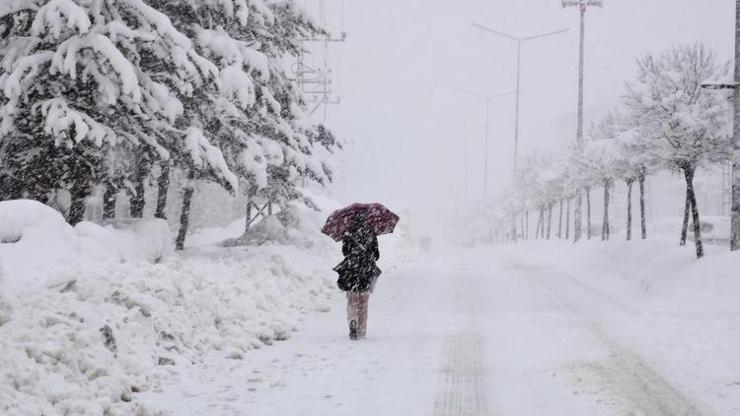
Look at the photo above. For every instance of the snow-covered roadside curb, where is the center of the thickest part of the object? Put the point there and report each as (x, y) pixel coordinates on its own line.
(84, 346)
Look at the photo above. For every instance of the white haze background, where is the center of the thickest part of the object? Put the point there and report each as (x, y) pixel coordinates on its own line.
(406, 124)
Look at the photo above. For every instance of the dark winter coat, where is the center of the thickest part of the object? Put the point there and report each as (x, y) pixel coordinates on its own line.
(358, 271)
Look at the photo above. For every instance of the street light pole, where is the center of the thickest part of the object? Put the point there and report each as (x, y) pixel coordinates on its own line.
(735, 86)
(582, 6)
(519, 41)
(516, 112)
(582, 35)
(485, 169)
(487, 100)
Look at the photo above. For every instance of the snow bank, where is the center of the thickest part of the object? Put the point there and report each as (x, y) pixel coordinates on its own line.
(112, 314)
(39, 248)
(35, 241)
(126, 240)
(714, 229)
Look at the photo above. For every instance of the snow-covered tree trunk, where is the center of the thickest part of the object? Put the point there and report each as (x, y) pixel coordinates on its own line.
(560, 221)
(80, 190)
(605, 218)
(643, 220)
(163, 186)
(544, 222)
(629, 208)
(521, 225)
(691, 195)
(137, 198)
(567, 220)
(10, 188)
(686, 213)
(187, 200)
(549, 220)
(577, 214)
(109, 201)
(539, 225)
(37, 193)
(588, 212)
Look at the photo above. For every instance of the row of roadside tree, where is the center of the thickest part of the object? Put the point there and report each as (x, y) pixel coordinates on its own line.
(664, 121)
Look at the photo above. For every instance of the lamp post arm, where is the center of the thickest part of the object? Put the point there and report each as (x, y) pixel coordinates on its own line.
(557, 32)
(496, 32)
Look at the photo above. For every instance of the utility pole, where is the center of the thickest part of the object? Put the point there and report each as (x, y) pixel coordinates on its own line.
(519, 41)
(735, 174)
(735, 219)
(582, 7)
(315, 83)
(487, 101)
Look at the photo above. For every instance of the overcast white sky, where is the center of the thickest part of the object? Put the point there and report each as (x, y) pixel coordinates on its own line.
(409, 127)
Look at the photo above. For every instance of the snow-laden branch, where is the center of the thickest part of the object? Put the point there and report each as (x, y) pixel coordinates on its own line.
(68, 126)
(71, 52)
(25, 70)
(53, 15)
(204, 154)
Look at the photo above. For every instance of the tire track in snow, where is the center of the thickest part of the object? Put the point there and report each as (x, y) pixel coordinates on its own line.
(579, 285)
(462, 372)
(624, 373)
(628, 376)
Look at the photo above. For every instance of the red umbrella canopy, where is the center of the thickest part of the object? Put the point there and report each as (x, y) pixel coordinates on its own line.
(380, 219)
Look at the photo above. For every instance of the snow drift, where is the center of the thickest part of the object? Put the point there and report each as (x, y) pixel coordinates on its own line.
(98, 313)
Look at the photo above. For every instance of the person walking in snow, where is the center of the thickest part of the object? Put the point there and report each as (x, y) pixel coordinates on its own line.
(357, 227)
(358, 272)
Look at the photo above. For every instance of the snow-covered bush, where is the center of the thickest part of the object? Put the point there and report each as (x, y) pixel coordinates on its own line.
(39, 248)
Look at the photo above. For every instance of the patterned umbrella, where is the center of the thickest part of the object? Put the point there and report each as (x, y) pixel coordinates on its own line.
(380, 219)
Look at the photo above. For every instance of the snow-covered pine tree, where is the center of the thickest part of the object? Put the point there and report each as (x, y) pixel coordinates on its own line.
(93, 89)
(259, 121)
(668, 103)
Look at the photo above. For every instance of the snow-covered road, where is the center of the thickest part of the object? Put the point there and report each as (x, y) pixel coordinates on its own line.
(473, 333)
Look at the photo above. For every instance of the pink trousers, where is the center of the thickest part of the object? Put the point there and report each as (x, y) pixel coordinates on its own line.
(357, 310)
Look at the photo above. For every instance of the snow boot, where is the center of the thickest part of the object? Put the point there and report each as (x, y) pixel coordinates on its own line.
(353, 330)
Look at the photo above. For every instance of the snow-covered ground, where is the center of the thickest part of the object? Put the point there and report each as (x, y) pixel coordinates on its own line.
(533, 329)
(104, 325)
